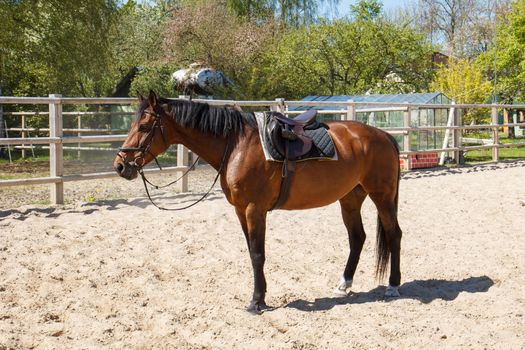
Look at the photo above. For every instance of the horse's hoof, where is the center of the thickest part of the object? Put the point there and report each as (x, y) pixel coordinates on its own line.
(392, 292)
(343, 288)
(340, 293)
(256, 308)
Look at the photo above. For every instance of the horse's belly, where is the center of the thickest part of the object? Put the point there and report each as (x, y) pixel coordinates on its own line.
(312, 188)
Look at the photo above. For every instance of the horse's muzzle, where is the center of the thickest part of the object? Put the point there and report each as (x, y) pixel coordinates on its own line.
(125, 169)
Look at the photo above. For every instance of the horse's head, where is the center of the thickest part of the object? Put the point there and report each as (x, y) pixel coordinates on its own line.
(146, 139)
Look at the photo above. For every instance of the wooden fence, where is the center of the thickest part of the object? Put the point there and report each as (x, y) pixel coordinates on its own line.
(346, 109)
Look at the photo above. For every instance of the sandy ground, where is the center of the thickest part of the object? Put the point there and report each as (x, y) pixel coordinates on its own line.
(120, 274)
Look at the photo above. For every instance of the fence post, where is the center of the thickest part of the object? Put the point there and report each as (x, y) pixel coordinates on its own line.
(182, 160)
(450, 122)
(495, 136)
(406, 135)
(56, 155)
(278, 106)
(350, 113)
(23, 134)
(2, 131)
(79, 133)
(458, 135)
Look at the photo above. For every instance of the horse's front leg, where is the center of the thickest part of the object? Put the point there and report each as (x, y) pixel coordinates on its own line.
(253, 222)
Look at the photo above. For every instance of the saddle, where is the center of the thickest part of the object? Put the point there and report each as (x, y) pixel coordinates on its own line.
(288, 137)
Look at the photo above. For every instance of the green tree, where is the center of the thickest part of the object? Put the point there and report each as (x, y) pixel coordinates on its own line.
(56, 46)
(509, 51)
(298, 12)
(252, 9)
(11, 43)
(137, 41)
(464, 28)
(367, 10)
(293, 13)
(210, 34)
(349, 56)
(463, 82)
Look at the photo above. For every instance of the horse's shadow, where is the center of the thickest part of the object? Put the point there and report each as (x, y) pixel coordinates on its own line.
(180, 199)
(425, 291)
(105, 204)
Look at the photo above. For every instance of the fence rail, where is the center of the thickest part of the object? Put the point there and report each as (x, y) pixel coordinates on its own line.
(346, 109)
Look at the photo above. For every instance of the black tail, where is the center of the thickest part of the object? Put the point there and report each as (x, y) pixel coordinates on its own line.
(382, 251)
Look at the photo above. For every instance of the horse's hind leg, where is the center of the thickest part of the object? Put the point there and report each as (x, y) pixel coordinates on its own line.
(351, 211)
(388, 240)
(253, 222)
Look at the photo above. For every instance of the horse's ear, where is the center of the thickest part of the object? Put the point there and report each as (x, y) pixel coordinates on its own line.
(140, 97)
(152, 98)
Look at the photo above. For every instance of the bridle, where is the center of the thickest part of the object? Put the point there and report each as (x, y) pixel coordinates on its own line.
(144, 148)
(145, 143)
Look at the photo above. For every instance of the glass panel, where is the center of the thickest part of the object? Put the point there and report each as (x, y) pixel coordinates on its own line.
(380, 119)
(423, 140)
(414, 118)
(371, 119)
(439, 136)
(430, 140)
(414, 140)
(399, 139)
(423, 117)
(441, 116)
(396, 119)
(362, 117)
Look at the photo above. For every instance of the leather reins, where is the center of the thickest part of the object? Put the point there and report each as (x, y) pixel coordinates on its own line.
(144, 148)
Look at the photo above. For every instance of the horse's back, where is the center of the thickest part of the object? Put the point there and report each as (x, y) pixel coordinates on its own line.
(358, 142)
(366, 156)
(374, 152)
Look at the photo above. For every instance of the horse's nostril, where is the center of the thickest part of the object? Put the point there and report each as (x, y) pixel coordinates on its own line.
(120, 168)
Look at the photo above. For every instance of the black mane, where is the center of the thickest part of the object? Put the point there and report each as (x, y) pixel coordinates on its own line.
(219, 121)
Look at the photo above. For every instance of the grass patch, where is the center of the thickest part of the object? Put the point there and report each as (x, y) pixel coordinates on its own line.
(23, 168)
(485, 155)
(4, 176)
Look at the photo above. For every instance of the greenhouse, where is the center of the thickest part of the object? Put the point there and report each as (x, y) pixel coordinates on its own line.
(368, 113)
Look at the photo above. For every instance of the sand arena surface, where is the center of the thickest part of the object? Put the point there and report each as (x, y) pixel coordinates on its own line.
(121, 274)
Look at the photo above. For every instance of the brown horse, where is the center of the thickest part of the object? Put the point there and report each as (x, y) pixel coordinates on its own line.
(367, 165)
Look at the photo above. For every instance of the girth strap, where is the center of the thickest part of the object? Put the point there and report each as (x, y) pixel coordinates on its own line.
(287, 175)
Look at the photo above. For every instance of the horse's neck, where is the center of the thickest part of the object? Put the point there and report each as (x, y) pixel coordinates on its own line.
(208, 147)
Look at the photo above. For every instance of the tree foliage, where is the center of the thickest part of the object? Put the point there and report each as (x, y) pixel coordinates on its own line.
(210, 34)
(509, 69)
(252, 9)
(349, 56)
(138, 42)
(267, 48)
(287, 12)
(463, 82)
(299, 12)
(60, 46)
(464, 28)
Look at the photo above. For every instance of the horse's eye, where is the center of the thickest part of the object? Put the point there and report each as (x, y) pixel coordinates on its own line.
(143, 128)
